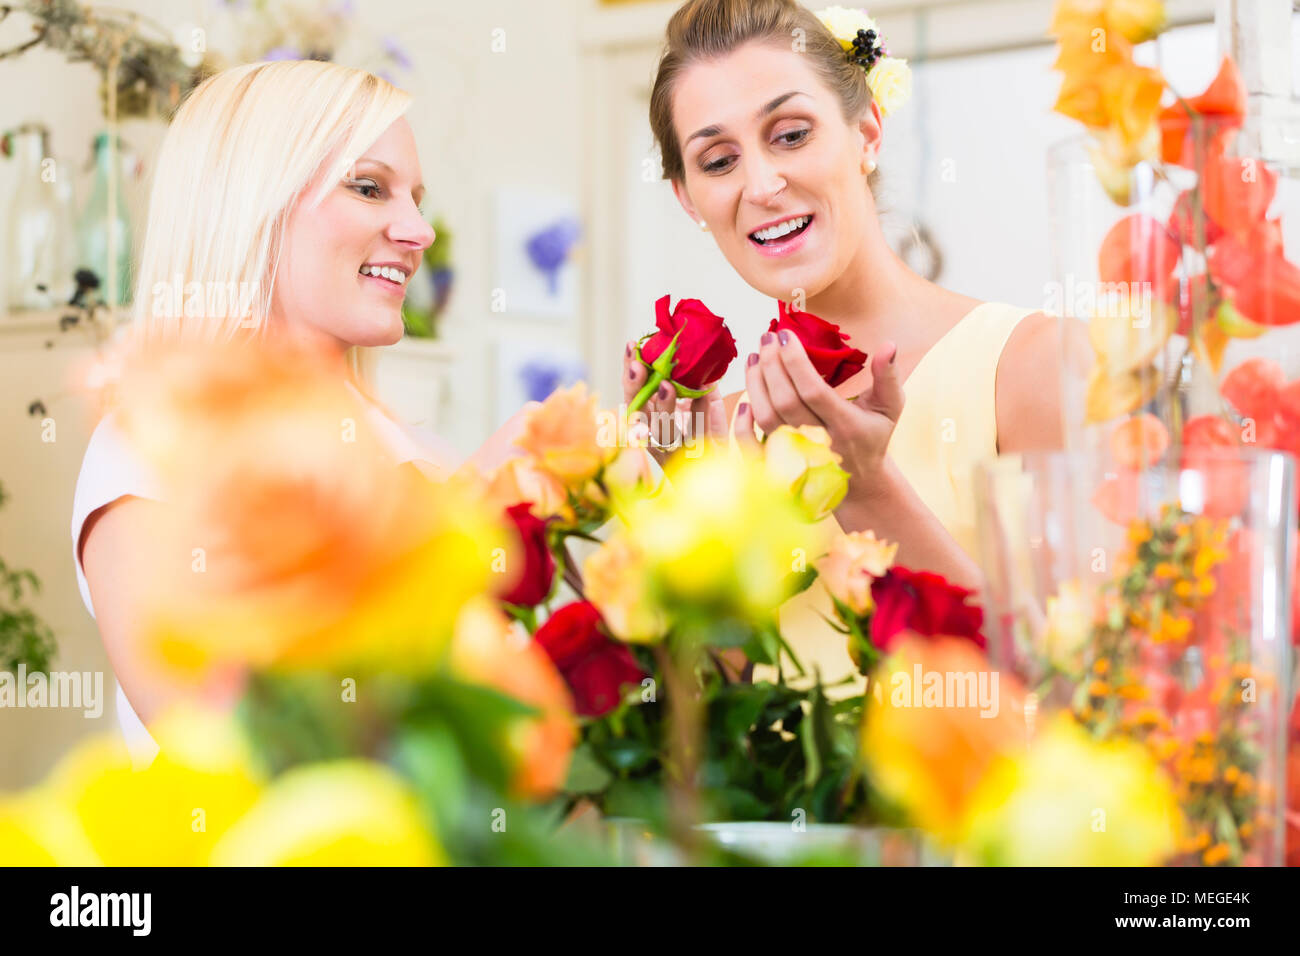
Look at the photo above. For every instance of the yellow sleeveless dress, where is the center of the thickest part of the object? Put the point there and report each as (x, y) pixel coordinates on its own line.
(948, 424)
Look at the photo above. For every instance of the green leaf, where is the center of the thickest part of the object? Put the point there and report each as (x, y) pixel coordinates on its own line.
(684, 392)
(629, 754)
(430, 758)
(586, 773)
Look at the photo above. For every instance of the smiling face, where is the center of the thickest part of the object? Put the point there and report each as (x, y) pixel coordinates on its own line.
(773, 168)
(346, 263)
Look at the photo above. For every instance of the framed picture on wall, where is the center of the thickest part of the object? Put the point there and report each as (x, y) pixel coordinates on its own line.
(528, 371)
(537, 234)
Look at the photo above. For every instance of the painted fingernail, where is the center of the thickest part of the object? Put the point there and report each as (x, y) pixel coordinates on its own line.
(631, 373)
(766, 339)
(744, 407)
(753, 358)
(663, 390)
(627, 350)
(783, 336)
(892, 357)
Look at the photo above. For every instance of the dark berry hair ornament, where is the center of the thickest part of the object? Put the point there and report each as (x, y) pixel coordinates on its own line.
(889, 77)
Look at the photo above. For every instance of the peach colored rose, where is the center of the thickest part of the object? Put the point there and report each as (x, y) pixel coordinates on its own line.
(855, 560)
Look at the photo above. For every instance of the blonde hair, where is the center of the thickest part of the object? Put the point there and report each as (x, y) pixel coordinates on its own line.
(240, 152)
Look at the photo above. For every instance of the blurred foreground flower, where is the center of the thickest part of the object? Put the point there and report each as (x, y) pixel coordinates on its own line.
(341, 813)
(596, 667)
(94, 808)
(937, 719)
(292, 538)
(488, 650)
(1072, 801)
(723, 536)
(563, 435)
(801, 458)
(618, 584)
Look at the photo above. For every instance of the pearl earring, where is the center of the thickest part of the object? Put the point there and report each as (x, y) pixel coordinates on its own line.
(871, 166)
(704, 226)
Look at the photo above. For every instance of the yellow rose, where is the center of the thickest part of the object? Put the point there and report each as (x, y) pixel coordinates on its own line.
(617, 582)
(36, 829)
(340, 813)
(566, 436)
(891, 84)
(170, 814)
(844, 24)
(855, 560)
(1073, 801)
(801, 459)
(631, 475)
(724, 535)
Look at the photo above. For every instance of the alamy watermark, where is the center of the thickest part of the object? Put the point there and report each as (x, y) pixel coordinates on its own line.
(179, 299)
(55, 689)
(948, 689)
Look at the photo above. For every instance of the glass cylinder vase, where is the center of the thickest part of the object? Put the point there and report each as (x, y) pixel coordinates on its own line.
(1153, 602)
(1177, 282)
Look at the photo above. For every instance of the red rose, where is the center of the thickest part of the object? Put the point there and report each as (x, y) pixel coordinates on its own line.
(593, 665)
(705, 346)
(825, 344)
(923, 603)
(539, 566)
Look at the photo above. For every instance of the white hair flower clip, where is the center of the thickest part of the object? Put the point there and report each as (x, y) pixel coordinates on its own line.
(888, 77)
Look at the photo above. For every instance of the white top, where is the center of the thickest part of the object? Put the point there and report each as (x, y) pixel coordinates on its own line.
(111, 470)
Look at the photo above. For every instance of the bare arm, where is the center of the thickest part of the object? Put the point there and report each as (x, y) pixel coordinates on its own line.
(113, 556)
(1029, 402)
(893, 510)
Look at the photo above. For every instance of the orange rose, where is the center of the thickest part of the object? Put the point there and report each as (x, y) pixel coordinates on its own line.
(564, 434)
(488, 650)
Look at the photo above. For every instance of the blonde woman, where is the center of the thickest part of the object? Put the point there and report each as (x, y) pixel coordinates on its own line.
(773, 145)
(290, 193)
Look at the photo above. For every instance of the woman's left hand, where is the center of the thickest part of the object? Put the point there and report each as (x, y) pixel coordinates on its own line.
(785, 389)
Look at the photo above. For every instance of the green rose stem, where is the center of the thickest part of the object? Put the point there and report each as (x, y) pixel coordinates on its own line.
(526, 615)
(684, 735)
(661, 370)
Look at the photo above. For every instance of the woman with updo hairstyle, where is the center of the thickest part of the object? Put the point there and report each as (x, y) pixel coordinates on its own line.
(771, 135)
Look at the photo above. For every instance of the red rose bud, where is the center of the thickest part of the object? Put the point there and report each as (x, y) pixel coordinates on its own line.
(825, 344)
(595, 667)
(691, 349)
(534, 584)
(922, 603)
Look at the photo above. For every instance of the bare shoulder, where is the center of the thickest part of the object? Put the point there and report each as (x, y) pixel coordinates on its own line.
(1029, 406)
(111, 529)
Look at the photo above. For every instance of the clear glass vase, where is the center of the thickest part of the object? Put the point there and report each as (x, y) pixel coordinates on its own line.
(1154, 604)
(38, 239)
(1183, 268)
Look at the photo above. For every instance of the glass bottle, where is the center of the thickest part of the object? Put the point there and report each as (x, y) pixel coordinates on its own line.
(94, 229)
(38, 236)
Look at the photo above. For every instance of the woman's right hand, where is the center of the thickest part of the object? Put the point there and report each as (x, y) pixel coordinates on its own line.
(672, 422)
